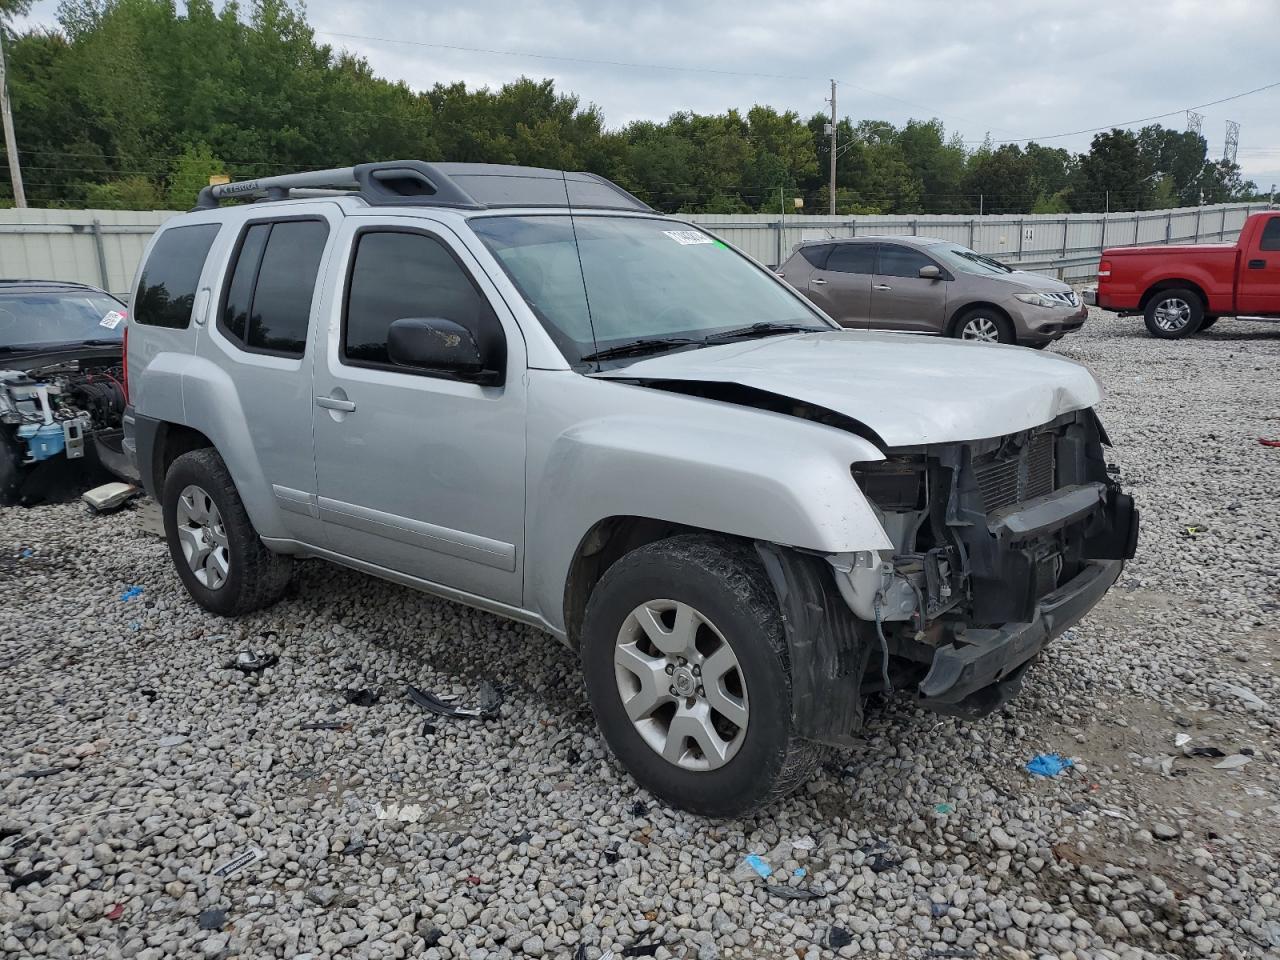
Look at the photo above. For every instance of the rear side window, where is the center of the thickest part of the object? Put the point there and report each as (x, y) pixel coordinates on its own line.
(167, 289)
(853, 258)
(1271, 235)
(816, 255)
(896, 261)
(395, 275)
(267, 305)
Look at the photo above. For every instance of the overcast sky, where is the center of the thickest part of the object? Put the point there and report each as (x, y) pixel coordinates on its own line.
(1022, 69)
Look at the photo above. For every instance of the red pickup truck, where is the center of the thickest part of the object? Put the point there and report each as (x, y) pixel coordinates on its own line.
(1183, 289)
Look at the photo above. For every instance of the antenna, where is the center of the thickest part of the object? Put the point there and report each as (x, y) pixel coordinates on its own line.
(1232, 142)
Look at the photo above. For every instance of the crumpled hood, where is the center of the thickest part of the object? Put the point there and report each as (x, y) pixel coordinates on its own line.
(909, 389)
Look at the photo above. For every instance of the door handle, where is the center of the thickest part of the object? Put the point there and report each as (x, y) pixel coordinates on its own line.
(882, 286)
(333, 403)
(819, 282)
(1257, 264)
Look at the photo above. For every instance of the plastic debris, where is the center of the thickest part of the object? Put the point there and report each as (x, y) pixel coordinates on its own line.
(42, 772)
(490, 701)
(473, 880)
(130, 594)
(803, 843)
(613, 851)
(116, 911)
(173, 740)
(1048, 764)
(363, 697)
(943, 808)
(638, 809)
(799, 872)
(23, 879)
(110, 496)
(1266, 442)
(937, 910)
(838, 937)
(1194, 529)
(640, 950)
(241, 860)
(1210, 752)
(1181, 739)
(408, 813)
(212, 919)
(1233, 762)
(249, 661)
(881, 863)
(759, 864)
(792, 893)
(1250, 699)
(325, 725)
(433, 937)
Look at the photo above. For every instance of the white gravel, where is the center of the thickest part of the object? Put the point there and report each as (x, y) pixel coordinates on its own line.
(521, 837)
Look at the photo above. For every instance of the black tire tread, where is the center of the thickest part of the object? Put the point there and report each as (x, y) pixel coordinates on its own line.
(264, 575)
(1193, 325)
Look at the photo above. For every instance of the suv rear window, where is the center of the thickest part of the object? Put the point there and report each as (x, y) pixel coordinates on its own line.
(167, 288)
(267, 306)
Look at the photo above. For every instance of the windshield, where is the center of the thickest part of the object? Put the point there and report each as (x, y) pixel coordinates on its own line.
(44, 319)
(965, 260)
(634, 278)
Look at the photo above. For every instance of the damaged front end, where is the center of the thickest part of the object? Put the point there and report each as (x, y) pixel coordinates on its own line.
(1000, 545)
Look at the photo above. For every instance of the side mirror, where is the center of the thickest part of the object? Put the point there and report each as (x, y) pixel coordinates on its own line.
(432, 343)
(930, 272)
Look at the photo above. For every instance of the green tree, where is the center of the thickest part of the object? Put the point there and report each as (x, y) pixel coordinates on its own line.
(1114, 171)
(190, 174)
(1004, 179)
(129, 193)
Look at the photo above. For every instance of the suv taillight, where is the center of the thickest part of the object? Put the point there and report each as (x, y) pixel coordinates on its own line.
(124, 363)
(1104, 269)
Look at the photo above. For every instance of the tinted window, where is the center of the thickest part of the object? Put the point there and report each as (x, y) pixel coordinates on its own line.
(167, 289)
(816, 255)
(1271, 235)
(896, 261)
(853, 258)
(268, 302)
(397, 275)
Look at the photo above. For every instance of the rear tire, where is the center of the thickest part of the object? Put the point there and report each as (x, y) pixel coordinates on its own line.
(709, 602)
(1174, 314)
(10, 469)
(218, 554)
(984, 325)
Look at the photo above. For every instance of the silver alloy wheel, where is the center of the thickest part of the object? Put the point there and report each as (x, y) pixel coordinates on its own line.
(981, 328)
(1172, 315)
(203, 537)
(681, 685)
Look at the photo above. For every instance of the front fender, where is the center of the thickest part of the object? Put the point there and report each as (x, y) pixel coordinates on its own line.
(684, 460)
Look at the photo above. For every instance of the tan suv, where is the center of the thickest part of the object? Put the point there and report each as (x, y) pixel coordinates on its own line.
(926, 285)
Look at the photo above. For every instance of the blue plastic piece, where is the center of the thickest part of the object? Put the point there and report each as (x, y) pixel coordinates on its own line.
(759, 864)
(130, 594)
(1048, 764)
(43, 441)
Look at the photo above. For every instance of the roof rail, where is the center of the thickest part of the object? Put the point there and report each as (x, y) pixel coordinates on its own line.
(384, 182)
(466, 186)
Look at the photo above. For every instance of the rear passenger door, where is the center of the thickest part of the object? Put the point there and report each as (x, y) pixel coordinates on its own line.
(841, 286)
(260, 336)
(901, 299)
(421, 473)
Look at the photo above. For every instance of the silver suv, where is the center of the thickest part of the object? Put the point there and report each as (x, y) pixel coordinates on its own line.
(524, 390)
(926, 285)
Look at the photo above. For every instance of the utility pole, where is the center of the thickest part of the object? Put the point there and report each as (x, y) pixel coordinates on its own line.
(833, 148)
(1108, 210)
(981, 202)
(10, 144)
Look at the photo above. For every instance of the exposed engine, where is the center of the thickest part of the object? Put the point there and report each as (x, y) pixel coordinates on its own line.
(55, 408)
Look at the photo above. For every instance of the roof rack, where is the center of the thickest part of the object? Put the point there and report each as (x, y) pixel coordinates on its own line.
(465, 186)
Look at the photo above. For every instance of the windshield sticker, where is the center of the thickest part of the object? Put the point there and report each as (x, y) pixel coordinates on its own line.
(111, 320)
(686, 237)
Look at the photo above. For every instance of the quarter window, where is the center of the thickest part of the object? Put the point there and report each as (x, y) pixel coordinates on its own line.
(896, 261)
(853, 258)
(396, 275)
(816, 254)
(267, 307)
(167, 288)
(1271, 235)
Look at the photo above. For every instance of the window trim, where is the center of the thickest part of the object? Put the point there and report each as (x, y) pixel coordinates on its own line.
(134, 297)
(1262, 236)
(233, 261)
(875, 246)
(944, 273)
(354, 250)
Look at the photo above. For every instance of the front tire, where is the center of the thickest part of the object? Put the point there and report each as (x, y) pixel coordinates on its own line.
(984, 325)
(1174, 314)
(687, 670)
(218, 554)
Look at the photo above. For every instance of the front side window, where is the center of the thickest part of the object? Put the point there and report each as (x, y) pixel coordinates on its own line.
(1271, 235)
(397, 275)
(268, 301)
(167, 289)
(896, 261)
(853, 258)
(598, 282)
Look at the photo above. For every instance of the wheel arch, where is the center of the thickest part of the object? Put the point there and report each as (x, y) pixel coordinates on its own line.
(954, 320)
(171, 441)
(1175, 283)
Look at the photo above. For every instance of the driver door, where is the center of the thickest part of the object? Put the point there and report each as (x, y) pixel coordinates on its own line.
(418, 472)
(903, 300)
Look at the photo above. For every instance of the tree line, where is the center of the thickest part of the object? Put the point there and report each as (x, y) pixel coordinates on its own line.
(134, 104)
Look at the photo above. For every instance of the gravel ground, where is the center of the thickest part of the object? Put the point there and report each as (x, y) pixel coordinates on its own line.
(135, 763)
